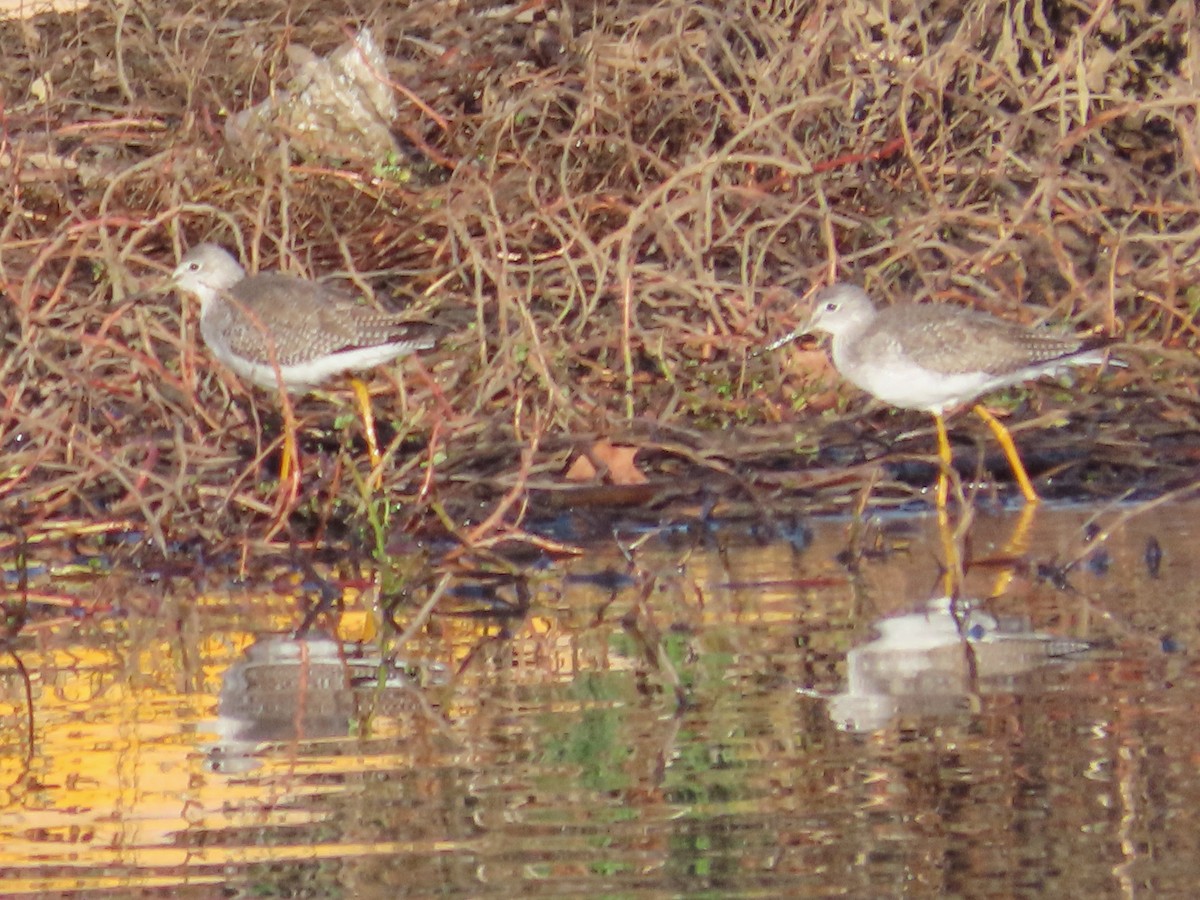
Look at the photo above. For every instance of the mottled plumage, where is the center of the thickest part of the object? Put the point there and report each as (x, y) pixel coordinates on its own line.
(311, 330)
(935, 357)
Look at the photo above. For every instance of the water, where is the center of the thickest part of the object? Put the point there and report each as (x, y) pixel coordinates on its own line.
(840, 731)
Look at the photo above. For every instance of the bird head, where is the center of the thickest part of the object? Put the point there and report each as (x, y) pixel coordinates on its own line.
(206, 271)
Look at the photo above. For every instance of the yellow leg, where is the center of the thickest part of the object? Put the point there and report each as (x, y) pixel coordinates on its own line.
(289, 457)
(368, 420)
(943, 484)
(953, 574)
(1010, 451)
(289, 471)
(1015, 549)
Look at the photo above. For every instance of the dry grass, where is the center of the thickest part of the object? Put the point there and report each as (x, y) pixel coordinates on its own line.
(620, 202)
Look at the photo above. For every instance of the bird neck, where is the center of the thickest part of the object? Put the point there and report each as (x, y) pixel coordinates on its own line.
(206, 294)
(844, 341)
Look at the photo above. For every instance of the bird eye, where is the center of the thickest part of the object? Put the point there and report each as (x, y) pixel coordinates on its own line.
(194, 267)
(831, 306)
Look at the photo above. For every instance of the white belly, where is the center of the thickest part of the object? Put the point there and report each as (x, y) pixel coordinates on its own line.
(910, 387)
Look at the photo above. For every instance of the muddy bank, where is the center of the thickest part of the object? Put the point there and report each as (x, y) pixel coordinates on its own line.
(614, 209)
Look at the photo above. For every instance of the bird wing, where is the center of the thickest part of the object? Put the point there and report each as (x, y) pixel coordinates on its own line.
(347, 320)
(952, 341)
(306, 318)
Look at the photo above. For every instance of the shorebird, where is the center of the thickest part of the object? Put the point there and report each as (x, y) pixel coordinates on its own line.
(275, 329)
(282, 331)
(935, 358)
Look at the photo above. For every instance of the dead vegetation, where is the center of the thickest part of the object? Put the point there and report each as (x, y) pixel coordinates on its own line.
(617, 204)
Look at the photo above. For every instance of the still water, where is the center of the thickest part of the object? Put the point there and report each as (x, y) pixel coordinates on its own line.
(704, 713)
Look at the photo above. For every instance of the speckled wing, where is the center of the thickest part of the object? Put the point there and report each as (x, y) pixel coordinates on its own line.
(951, 341)
(352, 324)
(307, 319)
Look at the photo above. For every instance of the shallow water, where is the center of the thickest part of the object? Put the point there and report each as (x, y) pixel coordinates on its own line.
(842, 732)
